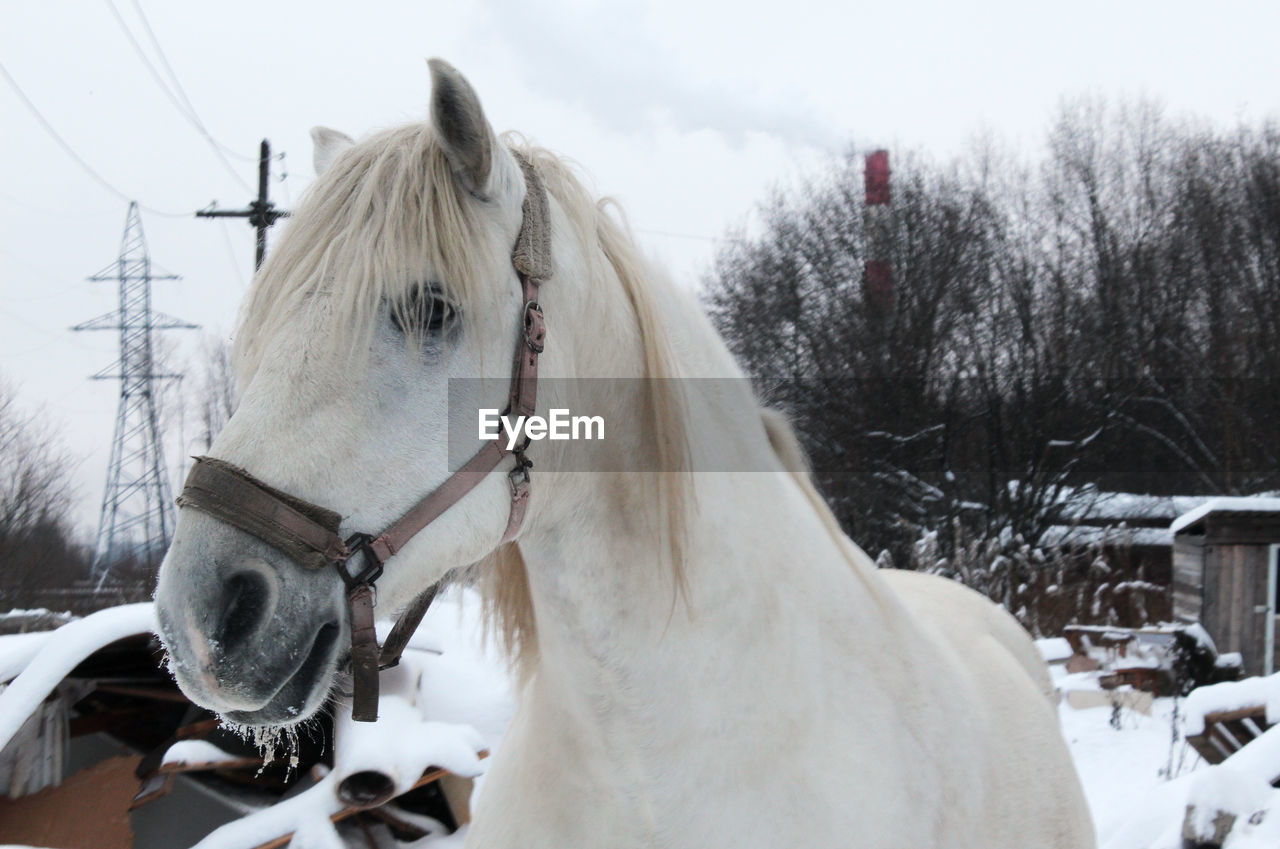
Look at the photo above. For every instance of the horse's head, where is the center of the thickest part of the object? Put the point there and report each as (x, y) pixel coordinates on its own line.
(394, 276)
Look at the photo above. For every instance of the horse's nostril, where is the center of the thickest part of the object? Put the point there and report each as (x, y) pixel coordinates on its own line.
(244, 607)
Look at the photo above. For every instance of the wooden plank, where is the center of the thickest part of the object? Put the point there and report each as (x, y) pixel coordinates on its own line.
(1228, 531)
(1226, 732)
(1187, 602)
(1247, 619)
(1188, 556)
(1187, 587)
(416, 832)
(1211, 592)
(154, 787)
(1189, 574)
(162, 694)
(88, 809)
(1234, 615)
(1255, 558)
(1184, 611)
(206, 766)
(1254, 712)
(95, 722)
(196, 730)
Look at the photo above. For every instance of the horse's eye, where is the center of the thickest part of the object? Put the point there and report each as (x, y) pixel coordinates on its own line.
(424, 310)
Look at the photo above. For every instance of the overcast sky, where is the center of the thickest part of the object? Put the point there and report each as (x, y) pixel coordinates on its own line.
(685, 110)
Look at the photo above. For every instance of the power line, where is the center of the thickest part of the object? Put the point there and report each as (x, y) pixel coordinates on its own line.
(70, 151)
(168, 93)
(674, 235)
(231, 255)
(5, 197)
(182, 92)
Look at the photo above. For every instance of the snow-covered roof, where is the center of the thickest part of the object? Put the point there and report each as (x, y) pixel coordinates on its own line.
(1058, 535)
(1121, 506)
(1227, 504)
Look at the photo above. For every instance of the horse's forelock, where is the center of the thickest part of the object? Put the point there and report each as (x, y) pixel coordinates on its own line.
(382, 211)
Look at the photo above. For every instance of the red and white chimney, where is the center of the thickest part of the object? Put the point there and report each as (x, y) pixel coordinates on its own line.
(877, 281)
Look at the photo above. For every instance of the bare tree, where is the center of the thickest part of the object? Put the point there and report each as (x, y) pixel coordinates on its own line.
(34, 484)
(1104, 318)
(36, 546)
(216, 395)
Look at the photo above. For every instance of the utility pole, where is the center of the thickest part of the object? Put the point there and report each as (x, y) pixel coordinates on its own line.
(262, 213)
(137, 510)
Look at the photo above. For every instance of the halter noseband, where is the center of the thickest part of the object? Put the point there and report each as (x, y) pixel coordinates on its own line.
(308, 534)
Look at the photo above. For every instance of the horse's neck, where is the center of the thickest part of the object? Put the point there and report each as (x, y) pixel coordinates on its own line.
(622, 648)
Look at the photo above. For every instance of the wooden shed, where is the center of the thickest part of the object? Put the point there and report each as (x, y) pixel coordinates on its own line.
(1224, 576)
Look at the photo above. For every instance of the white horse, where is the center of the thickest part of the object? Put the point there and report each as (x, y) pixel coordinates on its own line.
(705, 659)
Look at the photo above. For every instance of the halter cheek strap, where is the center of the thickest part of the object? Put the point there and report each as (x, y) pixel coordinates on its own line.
(308, 534)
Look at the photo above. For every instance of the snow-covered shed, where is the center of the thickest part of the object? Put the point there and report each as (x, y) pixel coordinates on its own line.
(1224, 575)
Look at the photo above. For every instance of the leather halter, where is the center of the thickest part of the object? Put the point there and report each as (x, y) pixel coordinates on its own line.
(308, 534)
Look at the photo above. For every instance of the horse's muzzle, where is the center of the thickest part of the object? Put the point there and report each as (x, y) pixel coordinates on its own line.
(243, 642)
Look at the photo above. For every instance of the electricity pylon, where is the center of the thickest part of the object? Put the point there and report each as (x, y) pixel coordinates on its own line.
(137, 510)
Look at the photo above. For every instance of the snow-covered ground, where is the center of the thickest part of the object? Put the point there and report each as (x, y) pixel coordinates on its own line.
(1122, 768)
(1139, 773)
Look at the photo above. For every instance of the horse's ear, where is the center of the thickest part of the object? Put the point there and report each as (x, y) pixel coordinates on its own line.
(327, 145)
(464, 133)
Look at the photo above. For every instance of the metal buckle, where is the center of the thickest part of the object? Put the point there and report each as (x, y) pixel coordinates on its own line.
(519, 476)
(535, 329)
(360, 543)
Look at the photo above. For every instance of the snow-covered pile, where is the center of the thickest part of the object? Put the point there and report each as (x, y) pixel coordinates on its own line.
(1233, 695)
(448, 701)
(44, 659)
(22, 621)
(1054, 649)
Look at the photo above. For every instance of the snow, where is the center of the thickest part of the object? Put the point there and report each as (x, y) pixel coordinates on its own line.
(1234, 695)
(1061, 535)
(1232, 504)
(16, 651)
(1121, 506)
(451, 697)
(1254, 805)
(61, 652)
(1139, 778)
(35, 613)
(1054, 649)
(1202, 639)
(308, 812)
(402, 743)
(196, 752)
